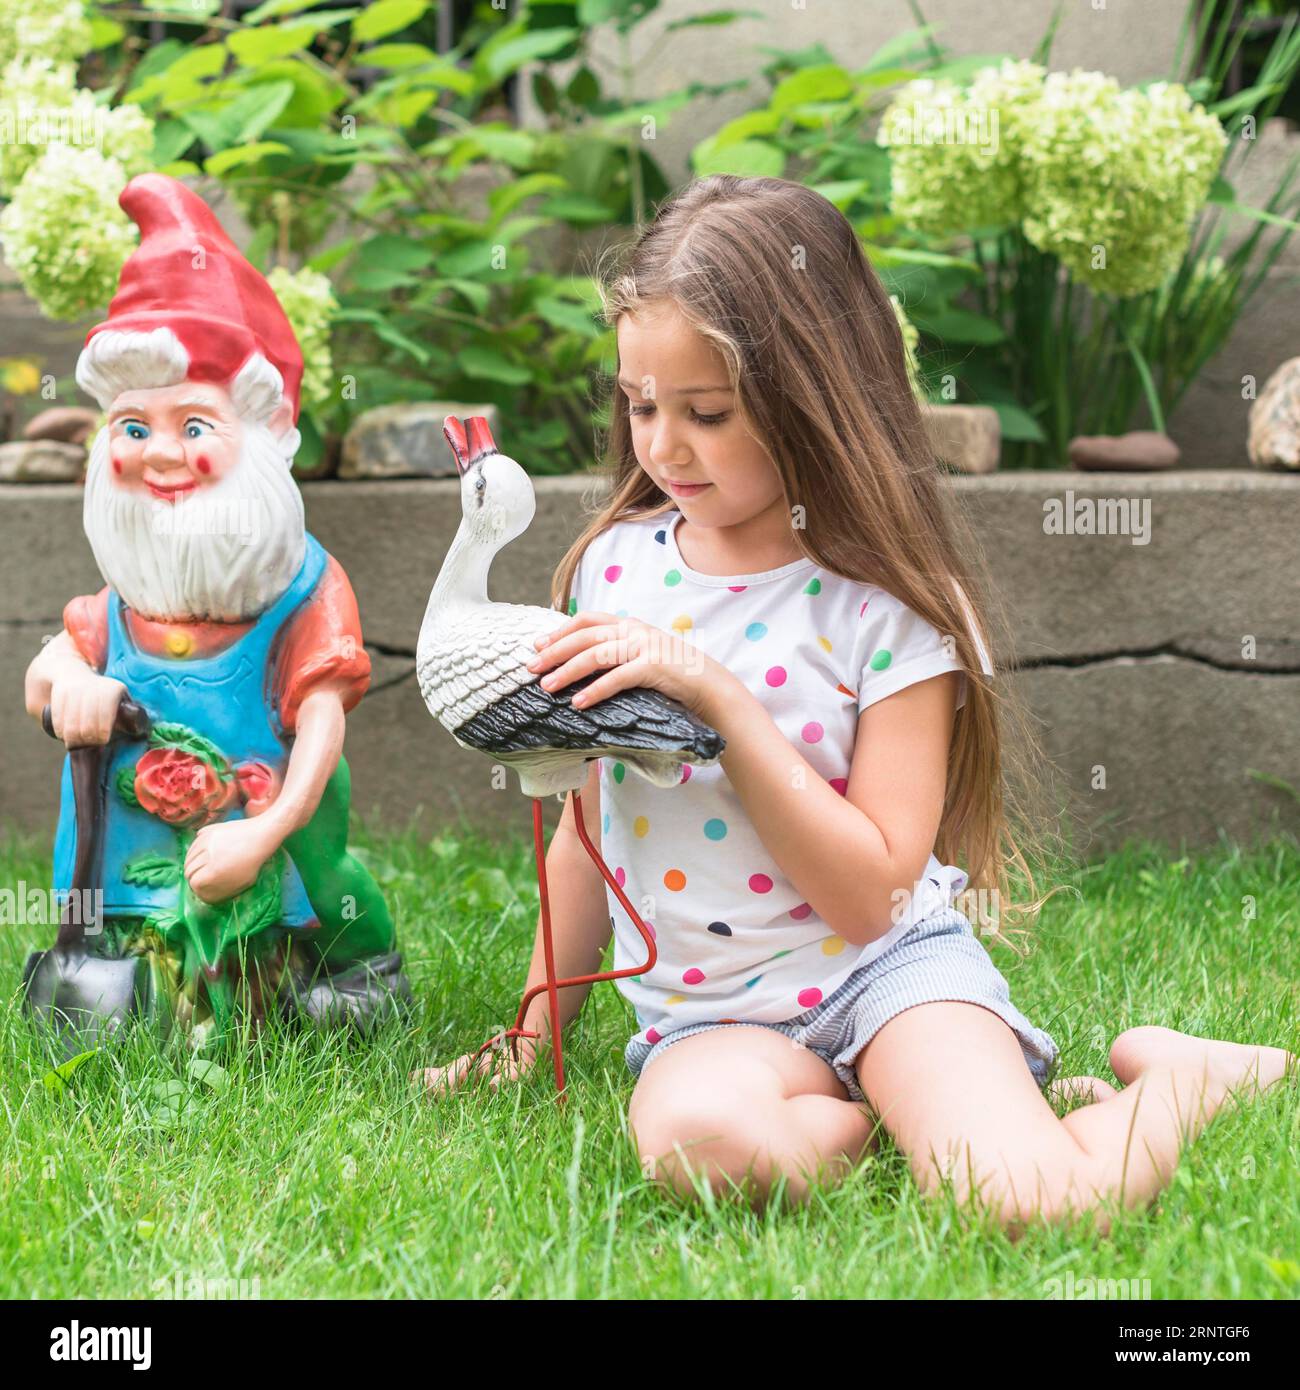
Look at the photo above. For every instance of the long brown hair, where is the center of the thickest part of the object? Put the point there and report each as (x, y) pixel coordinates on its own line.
(772, 273)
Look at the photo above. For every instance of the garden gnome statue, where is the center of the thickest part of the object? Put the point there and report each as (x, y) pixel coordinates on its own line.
(201, 855)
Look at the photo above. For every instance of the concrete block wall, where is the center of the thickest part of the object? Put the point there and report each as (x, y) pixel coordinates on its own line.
(1134, 656)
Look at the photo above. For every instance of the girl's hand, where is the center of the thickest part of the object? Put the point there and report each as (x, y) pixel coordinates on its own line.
(470, 1068)
(637, 655)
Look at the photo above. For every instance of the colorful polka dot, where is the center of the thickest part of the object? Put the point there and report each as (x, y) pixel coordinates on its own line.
(737, 588)
(716, 829)
(661, 537)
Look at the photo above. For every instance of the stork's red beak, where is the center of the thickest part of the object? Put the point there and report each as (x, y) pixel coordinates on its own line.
(470, 441)
(454, 433)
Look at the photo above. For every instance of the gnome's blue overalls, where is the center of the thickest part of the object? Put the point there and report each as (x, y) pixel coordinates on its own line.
(330, 906)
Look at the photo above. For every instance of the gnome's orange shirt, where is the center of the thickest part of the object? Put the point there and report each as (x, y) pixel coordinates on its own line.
(321, 641)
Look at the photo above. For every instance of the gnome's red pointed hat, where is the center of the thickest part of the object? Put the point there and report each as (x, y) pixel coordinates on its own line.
(190, 307)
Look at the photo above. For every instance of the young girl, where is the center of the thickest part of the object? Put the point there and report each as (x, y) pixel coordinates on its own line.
(777, 554)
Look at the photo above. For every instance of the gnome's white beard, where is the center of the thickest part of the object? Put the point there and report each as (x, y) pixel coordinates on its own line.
(221, 553)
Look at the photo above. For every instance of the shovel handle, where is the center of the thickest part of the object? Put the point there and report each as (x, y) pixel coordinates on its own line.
(132, 720)
(88, 798)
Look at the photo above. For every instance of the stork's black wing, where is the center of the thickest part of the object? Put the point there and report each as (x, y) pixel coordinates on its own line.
(531, 717)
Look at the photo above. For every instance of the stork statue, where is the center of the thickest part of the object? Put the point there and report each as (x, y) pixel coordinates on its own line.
(472, 665)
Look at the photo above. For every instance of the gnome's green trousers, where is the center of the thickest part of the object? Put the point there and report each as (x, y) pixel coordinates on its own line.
(354, 919)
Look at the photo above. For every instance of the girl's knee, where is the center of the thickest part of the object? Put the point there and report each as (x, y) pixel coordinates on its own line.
(697, 1120)
(712, 1137)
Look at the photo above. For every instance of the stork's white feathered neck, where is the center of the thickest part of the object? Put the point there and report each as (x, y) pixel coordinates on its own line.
(462, 581)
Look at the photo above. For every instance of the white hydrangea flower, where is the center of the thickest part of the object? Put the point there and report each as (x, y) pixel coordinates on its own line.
(1106, 180)
(54, 29)
(41, 105)
(955, 155)
(307, 298)
(64, 235)
(1116, 177)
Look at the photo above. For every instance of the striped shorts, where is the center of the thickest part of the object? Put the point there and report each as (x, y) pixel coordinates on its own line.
(939, 959)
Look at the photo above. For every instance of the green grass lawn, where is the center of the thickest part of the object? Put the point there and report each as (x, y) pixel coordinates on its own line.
(319, 1172)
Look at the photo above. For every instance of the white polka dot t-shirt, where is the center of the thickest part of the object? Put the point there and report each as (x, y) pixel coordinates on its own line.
(735, 939)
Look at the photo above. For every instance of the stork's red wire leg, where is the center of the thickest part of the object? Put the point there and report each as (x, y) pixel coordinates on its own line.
(552, 986)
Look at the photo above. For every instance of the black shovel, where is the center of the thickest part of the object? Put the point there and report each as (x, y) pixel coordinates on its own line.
(87, 997)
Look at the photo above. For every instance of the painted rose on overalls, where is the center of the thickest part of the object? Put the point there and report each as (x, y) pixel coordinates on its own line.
(211, 675)
(185, 781)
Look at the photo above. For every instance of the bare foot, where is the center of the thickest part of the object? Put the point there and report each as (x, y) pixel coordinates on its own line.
(1235, 1065)
(1087, 1090)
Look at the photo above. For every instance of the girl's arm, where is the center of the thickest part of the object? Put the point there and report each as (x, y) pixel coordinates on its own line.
(848, 855)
